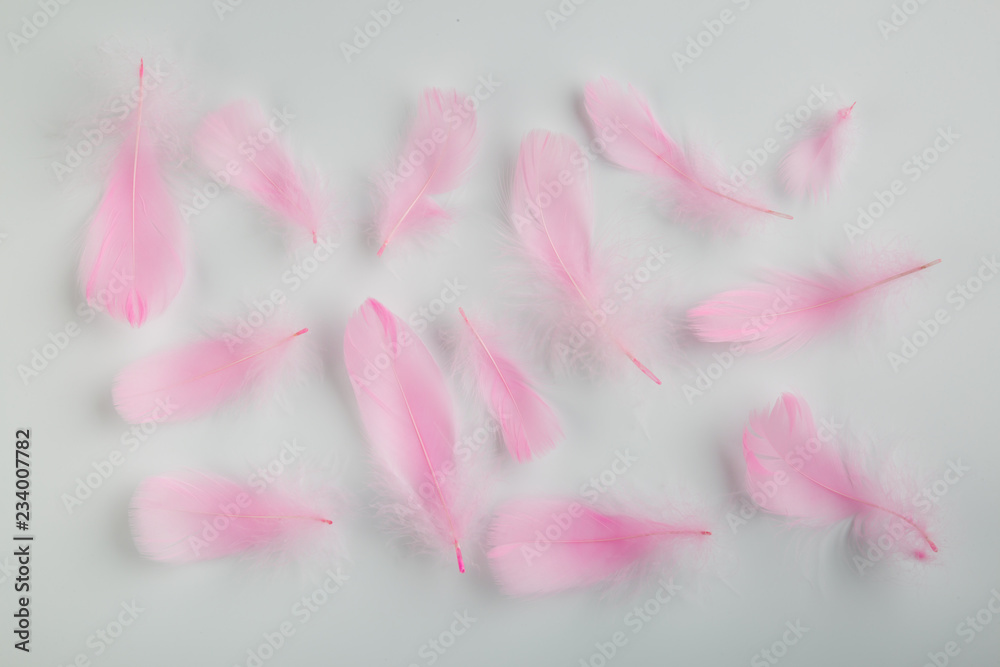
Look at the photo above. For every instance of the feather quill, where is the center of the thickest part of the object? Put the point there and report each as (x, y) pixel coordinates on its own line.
(554, 233)
(132, 263)
(811, 481)
(407, 412)
(582, 545)
(195, 379)
(265, 169)
(193, 517)
(815, 163)
(528, 424)
(635, 140)
(435, 157)
(786, 312)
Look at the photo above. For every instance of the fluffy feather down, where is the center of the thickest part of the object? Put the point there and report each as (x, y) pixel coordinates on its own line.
(815, 164)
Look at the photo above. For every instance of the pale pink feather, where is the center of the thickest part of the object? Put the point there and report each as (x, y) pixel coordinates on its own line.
(789, 310)
(552, 214)
(436, 155)
(133, 257)
(407, 412)
(543, 546)
(195, 516)
(634, 140)
(229, 142)
(793, 472)
(815, 164)
(529, 426)
(197, 378)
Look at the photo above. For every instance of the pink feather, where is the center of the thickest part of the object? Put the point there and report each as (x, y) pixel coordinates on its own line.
(548, 545)
(554, 233)
(812, 482)
(193, 380)
(132, 263)
(407, 412)
(195, 517)
(437, 154)
(528, 424)
(789, 310)
(634, 140)
(263, 169)
(815, 163)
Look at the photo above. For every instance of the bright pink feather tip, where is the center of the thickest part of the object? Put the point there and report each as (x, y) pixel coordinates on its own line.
(788, 311)
(193, 517)
(553, 225)
(133, 257)
(695, 180)
(815, 164)
(795, 471)
(436, 155)
(239, 142)
(194, 380)
(528, 424)
(549, 545)
(407, 412)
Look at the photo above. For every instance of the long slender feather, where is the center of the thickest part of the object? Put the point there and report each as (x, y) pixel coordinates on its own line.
(814, 164)
(435, 157)
(542, 546)
(633, 139)
(193, 380)
(238, 141)
(195, 516)
(810, 480)
(552, 215)
(407, 412)
(133, 257)
(528, 424)
(789, 310)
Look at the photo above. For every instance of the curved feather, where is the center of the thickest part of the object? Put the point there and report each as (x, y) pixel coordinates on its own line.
(194, 517)
(548, 545)
(636, 141)
(263, 169)
(552, 214)
(437, 153)
(407, 412)
(814, 164)
(193, 380)
(788, 311)
(132, 263)
(812, 482)
(528, 424)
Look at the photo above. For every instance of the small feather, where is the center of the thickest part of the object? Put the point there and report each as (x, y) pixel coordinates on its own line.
(811, 481)
(435, 157)
(634, 140)
(264, 168)
(543, 546)
(192, 517)
(529, 426)
(193, 380)
(815, 164)
(133, 257)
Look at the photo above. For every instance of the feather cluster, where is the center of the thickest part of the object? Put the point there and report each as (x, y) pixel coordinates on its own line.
(815, 163)
(529, 426)
(795, 472)
(407, 412)
(196, 516)
(435, 157)
(788, 310)
(239, 142)
(692, 179)
(543, 546)
(195, 379)
(133, 260)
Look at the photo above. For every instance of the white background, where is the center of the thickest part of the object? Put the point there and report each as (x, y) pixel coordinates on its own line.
(939, 70)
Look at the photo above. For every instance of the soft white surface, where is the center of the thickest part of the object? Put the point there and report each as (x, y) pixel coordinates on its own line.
(938, 71)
